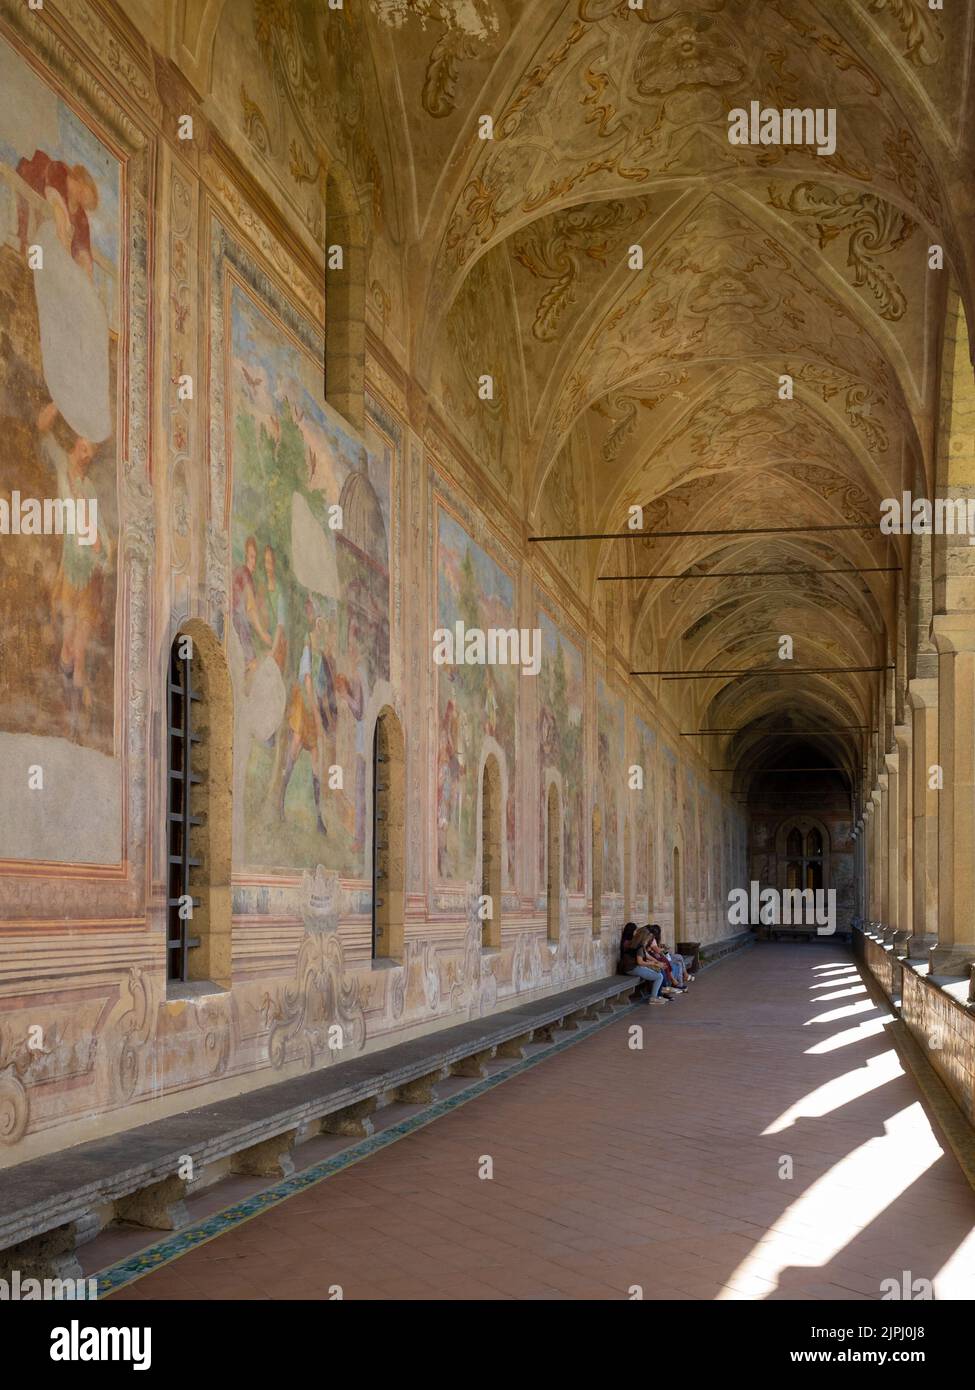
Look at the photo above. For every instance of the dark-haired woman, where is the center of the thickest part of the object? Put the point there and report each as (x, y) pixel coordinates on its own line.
(634, 961)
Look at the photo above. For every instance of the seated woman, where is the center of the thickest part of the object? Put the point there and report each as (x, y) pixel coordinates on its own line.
(676, 962)
(635, 961)
(659, 960)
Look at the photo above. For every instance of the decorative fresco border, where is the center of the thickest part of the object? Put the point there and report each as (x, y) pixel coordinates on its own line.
(163, 1252)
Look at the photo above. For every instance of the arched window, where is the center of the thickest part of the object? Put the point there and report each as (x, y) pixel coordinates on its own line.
(803, 855)
(553, 877)
(388, 856)
(345, 299)
(597, 871)
(199, 710)
(491, 851)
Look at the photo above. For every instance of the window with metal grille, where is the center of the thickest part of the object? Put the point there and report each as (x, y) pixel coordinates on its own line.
(388, 837)
(181, 820)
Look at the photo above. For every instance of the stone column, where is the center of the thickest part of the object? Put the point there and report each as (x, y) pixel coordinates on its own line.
(883, 879)
(923, 695)
(876, 862)
(954, 636)
(891, 918)
(866, 862)
(901, 865)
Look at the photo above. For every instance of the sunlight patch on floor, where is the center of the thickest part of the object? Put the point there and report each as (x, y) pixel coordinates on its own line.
(839, 1091)
(827, 1217)
(860, 1033)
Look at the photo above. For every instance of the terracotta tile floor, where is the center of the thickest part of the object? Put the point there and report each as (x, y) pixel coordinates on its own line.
(764, 1144)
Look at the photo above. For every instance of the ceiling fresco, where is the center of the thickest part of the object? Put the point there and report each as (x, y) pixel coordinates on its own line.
(658, 387)
(657, 384)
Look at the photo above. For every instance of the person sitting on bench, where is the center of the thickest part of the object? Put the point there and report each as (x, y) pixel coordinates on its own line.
(677, 963)
(634, 961)
(660, 960)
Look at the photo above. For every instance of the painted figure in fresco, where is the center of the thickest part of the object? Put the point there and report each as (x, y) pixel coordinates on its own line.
(274, 609)
(246, 612)
(78, 588)
(548, 735)
(490, 707)
(351, 688)
(312, 712)
(610, 811)
(450, 764)
(72, 194)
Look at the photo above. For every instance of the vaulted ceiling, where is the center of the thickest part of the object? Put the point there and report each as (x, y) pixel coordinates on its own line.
(659, 387)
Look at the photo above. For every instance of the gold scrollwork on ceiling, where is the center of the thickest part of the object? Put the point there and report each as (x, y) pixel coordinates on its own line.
(556, 254)
(875, 229)
(915, 19)
(255, 123)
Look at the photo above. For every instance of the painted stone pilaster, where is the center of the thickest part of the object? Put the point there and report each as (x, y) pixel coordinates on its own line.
(857, 837)
(876, 860)
(923, 695)
(866, 860)
(883, 880)
(891, 918)
(954, 636)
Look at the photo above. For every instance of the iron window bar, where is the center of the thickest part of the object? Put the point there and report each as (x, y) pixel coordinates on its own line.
(180, 818)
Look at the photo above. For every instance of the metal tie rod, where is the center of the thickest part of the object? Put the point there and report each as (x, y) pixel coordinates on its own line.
(719, 531)
(674, 675)
(735, 574)
(778, 733)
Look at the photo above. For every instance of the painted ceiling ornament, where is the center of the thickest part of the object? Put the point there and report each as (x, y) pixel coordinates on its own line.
(652, 11)
(689, 53)
(875, 229)
(474, 225)
(620, 408)
(914, 175)
(916, 21)
(556, 254)
(859, 401)
(289, 54)
(470, 29)
(255, 123)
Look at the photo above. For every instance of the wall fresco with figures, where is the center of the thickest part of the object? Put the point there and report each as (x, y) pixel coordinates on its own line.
(475, 702)
(171, 360)
(561, 743)
(61, 236)
(611, 772)
(308, 640)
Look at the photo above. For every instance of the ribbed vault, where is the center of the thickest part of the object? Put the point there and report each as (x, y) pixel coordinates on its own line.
(659, 387)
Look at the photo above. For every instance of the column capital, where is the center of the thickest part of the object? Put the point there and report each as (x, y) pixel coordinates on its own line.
(953, 632)
(891, 761)
(923, 692)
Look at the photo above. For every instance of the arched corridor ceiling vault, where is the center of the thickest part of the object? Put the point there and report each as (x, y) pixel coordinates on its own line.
(658, 387)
